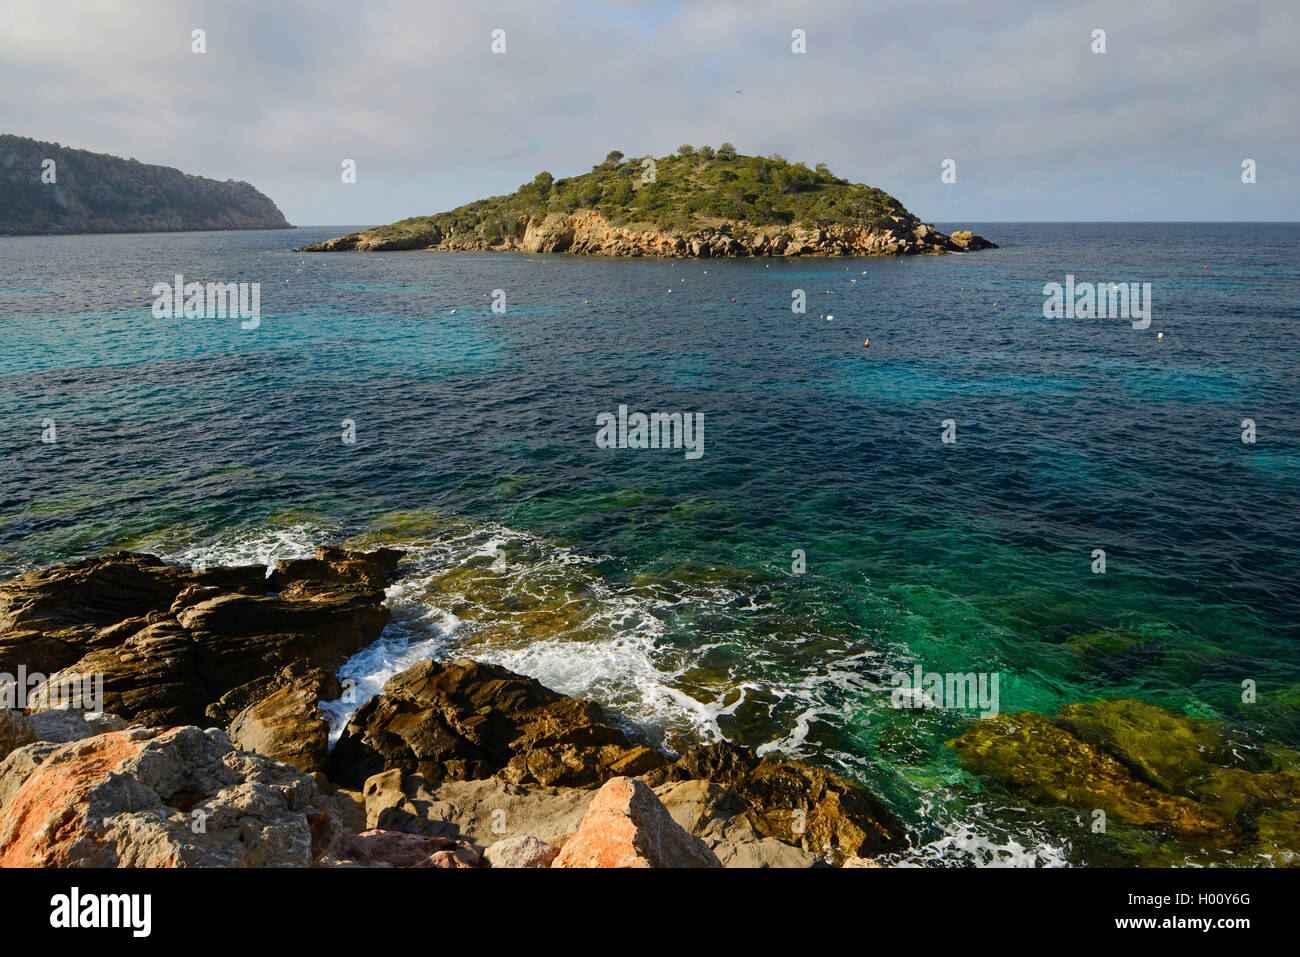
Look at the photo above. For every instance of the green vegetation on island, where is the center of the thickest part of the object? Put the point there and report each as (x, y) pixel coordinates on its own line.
(695, 187)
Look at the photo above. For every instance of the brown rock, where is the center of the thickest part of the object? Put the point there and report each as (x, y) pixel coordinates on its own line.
(481, 812)
(286, 723)
(170, 642)
(15, 731)
(463, 720)
(811, 808)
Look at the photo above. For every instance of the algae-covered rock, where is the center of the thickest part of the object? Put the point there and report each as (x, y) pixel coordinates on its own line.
(1201, 781)
(1158, 747)
(1033, 755)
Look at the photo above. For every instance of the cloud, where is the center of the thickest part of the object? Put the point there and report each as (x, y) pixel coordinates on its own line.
(1040, 127)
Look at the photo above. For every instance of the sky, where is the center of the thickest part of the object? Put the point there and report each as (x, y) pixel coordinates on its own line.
(1039, 126)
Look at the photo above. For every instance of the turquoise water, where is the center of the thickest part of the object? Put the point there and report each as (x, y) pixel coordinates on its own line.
(663, 586)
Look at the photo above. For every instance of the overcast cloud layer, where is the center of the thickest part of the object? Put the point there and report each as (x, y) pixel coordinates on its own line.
(1040, 127)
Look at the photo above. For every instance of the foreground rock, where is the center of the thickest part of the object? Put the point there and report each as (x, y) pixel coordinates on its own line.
(811, 808)
(464, 720)
(151, 798)
(521, 852)
(482, 812)
(718, 817)
(626, 826)
(97, 796)
(284, 721)
(451, 760)
(487, 812)
(376, 848)
(171, 643)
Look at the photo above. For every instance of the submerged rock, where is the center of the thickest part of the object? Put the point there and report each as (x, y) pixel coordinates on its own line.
(1196, 780)
(1046, 763)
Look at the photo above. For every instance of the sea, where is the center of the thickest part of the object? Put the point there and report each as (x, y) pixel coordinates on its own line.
(920, 470)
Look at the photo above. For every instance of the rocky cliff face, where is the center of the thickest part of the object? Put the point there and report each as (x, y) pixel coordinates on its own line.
(96, 193)
(587, 232)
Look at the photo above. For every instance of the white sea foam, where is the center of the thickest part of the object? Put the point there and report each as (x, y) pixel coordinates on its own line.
(975, 845)
(368, 669)
(260, 547)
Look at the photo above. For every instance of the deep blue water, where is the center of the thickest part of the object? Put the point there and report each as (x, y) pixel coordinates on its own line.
(661, 585)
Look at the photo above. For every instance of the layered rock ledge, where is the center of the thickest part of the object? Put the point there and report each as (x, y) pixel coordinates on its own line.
(588, 233)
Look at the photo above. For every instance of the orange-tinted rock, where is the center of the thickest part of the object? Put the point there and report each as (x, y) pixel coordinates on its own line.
(145, 797)
(627, 826)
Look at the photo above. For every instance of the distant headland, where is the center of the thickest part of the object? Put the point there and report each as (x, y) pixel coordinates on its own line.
(49, 188)
(702, 202)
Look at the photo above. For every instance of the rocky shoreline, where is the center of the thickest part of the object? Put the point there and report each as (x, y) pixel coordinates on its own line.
(208, 747)
(587, 232)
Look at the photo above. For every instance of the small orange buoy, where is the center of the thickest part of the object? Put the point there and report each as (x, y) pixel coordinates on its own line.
(586, 302)
(733, 298)
(866, 344)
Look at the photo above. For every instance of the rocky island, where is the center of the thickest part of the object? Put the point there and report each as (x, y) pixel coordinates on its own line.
(700, 202)
(49, 188)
